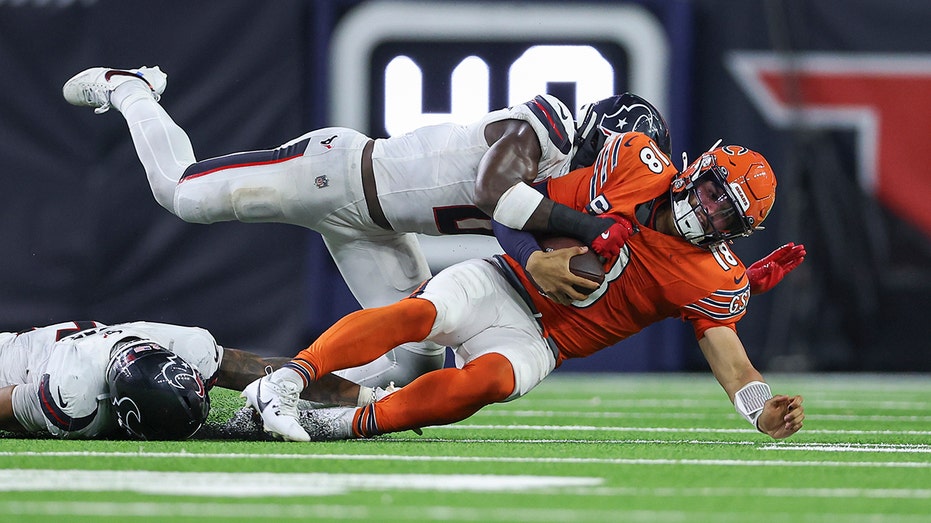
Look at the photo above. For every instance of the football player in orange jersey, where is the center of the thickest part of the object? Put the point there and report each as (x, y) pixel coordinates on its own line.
(365, 196)
(507, 336)
(430, 181)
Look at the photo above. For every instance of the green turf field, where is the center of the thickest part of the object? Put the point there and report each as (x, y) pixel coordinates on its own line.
(586, 448)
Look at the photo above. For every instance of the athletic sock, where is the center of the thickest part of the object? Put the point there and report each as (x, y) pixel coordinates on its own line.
(438, 398)
(128, 92)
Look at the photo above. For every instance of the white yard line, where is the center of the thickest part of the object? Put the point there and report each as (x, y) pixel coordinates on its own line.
(689, 430)
(768, 492)
(850, 447)
(501, 413)
(488, 459)
(276, 484)
(351, 512)
(621, 403)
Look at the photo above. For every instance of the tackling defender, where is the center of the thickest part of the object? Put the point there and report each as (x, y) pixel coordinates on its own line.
(508, 337)
(366, 196)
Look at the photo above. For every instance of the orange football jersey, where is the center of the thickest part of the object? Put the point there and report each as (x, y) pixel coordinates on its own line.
(656, 276)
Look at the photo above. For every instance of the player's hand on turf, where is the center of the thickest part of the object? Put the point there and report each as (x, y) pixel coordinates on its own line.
(617, 230)
(766, 273)
(550, 271)
(782, 416)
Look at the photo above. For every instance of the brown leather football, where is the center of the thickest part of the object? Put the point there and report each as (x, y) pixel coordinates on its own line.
(588, 265)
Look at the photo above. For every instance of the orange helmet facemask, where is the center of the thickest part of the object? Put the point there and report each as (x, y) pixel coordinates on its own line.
(726, 193)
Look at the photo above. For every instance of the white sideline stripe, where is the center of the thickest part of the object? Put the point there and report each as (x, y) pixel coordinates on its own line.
(730, 492)
(590, 428)
(580, 441)
(597, 415)
(332, 512)
(822, 447)
(850, 447)
(260, 484)
(712, 403)
(500, 413)
(488, 459)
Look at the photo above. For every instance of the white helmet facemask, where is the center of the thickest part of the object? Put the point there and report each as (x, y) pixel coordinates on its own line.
(685, 217)
(695, 215)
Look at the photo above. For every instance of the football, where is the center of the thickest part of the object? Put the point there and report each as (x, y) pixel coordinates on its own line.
(588, 265)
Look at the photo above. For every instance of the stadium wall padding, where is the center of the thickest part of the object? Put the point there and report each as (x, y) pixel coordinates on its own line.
(84, 239)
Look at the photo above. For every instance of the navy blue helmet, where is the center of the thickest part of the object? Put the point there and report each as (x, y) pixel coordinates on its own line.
(155, 394)
(618, 114)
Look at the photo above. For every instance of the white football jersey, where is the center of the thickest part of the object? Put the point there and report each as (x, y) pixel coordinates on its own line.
(426, 178)
(60, 371)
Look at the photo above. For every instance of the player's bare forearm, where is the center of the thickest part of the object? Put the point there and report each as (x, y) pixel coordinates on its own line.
(239, 368)
(8, 421)
(728, 359)
(782, 415)
(333, 390)
(513, 156)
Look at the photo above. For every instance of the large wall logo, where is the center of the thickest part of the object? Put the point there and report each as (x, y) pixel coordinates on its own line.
(885, 99)
(400, 65)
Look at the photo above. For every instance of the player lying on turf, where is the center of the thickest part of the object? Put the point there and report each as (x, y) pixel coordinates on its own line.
(366, 196)
(507, 337)
(86, 379)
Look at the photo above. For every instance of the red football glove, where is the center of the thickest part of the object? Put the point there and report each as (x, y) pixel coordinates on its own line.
(609, 243)
(766, 273)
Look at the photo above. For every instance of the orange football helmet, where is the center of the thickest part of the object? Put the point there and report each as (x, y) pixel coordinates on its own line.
(726, 193)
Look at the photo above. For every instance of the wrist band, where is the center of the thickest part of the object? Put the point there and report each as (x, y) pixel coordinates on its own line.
(749, 401)
(516, 205)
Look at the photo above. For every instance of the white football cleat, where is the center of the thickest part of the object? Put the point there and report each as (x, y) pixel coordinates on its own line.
(276, 402)
(92, 87)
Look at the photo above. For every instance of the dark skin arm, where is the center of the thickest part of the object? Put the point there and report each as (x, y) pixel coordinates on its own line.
(513, 155)
(240, 368)
(7, 419)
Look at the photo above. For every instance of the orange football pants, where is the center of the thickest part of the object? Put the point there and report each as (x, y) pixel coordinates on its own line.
(435, 398)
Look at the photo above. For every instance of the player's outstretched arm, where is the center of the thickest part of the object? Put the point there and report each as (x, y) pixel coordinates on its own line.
(778, 416)
(240, 368)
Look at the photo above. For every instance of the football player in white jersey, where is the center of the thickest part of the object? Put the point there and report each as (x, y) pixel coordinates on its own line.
(366, 196)
(85, 379)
